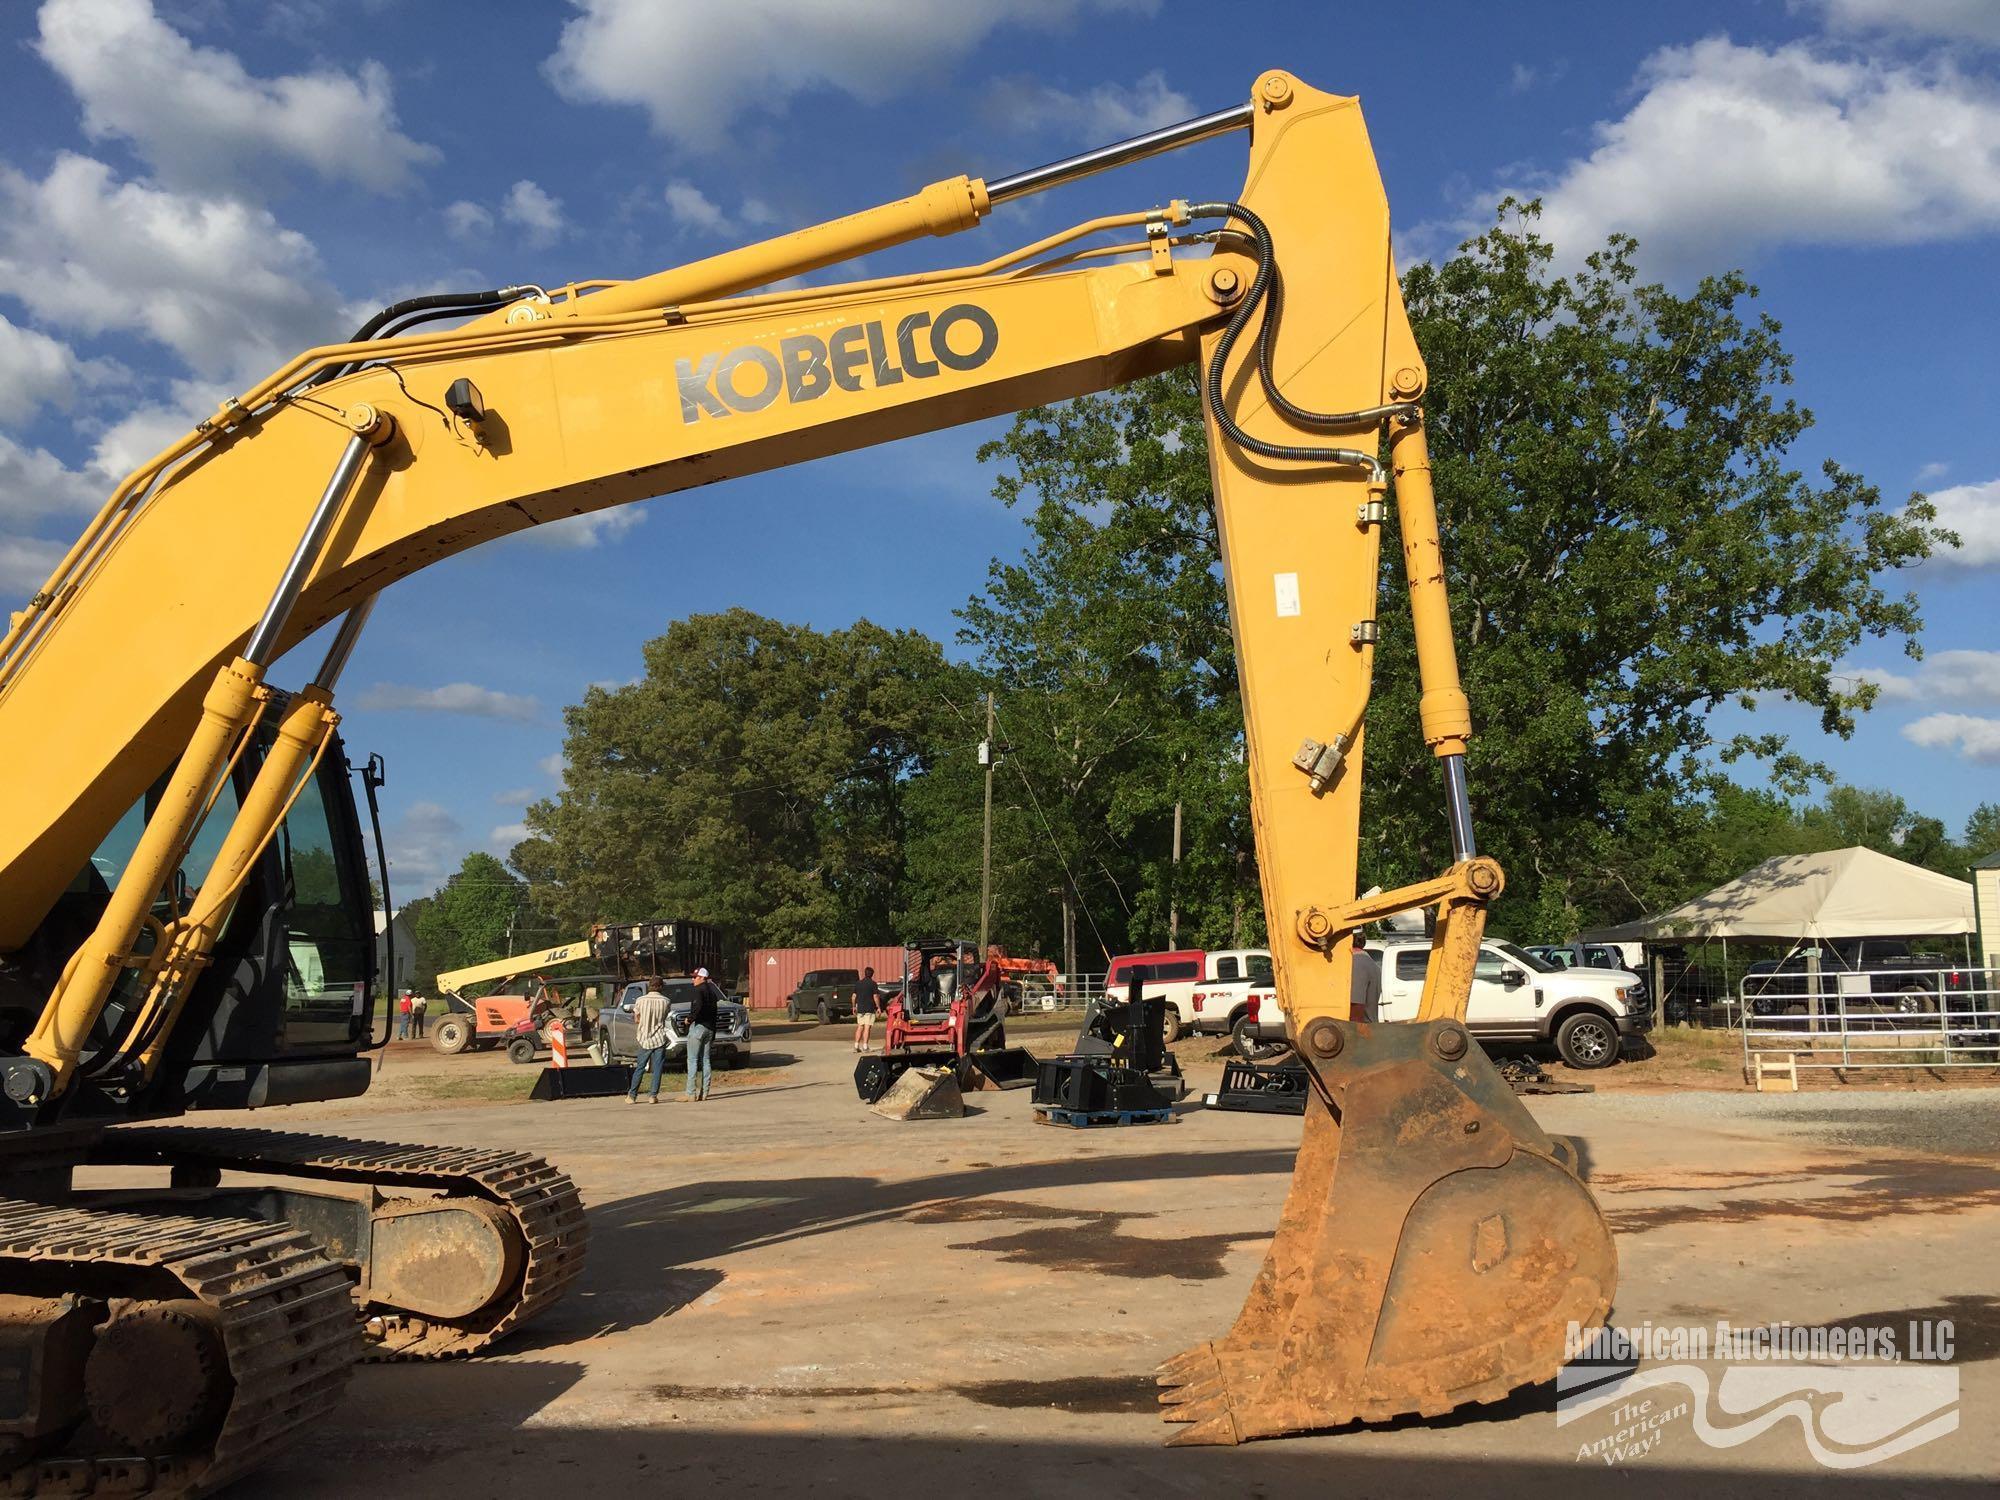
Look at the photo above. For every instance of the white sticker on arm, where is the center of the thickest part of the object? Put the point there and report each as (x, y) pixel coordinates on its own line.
(1288, 594)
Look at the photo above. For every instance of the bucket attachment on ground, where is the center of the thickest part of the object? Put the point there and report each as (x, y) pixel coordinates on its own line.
(1434, 1250)
(1263, 1088)
(596, 1081)
(922, 1094)
(876, 1073)
(1000, 1068)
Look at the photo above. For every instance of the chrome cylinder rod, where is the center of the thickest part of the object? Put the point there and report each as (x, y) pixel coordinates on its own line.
(343, 643)
(1152, 143)
(1458, 809)
(264, 639)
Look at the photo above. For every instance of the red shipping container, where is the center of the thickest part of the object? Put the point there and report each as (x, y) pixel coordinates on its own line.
(776, 972)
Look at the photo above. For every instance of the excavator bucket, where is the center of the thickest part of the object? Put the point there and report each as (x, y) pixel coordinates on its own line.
(1435, 1250)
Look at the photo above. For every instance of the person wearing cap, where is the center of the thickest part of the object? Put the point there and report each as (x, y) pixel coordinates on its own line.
(703, 1018)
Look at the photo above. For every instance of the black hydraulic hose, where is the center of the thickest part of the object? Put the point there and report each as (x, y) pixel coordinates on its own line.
(428, 309)
(1265, 288)
(395, 310)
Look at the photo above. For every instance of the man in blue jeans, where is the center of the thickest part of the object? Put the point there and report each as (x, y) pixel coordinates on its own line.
(702, 1021)
(649, 1026)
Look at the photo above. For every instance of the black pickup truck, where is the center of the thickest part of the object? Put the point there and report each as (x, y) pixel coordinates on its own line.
(1870, 975)
(825, 994)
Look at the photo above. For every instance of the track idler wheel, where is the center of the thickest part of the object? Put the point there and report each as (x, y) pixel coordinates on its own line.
(1434, 1251)
(157, 1379)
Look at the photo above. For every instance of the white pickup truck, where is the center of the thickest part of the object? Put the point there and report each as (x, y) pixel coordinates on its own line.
(1589, 1014)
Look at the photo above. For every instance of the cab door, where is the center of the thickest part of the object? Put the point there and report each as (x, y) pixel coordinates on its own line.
(1504, 995)
(1403, 980)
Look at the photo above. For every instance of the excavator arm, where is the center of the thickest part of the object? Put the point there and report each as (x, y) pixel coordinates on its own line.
(1436, 1243)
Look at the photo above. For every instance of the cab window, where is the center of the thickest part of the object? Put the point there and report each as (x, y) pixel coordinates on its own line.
(1491, 966)
(1259, 967)
(1411, 963)
(329, 939)
(1228, 968)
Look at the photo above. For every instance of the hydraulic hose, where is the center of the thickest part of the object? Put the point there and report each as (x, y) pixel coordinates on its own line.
(1267, 288)
(427, 309)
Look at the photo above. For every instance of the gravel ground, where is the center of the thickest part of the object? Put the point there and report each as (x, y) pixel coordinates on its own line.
(1950, 1122)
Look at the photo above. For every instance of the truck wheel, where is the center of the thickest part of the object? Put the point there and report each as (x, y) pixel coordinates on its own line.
(1913, 1000)
(1248, 1045)
(452, 1035)
(521, 1050)
(825, 1013)
(1587, 1040)
(791, 1012)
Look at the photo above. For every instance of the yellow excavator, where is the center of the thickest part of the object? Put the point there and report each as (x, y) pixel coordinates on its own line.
(184, 907)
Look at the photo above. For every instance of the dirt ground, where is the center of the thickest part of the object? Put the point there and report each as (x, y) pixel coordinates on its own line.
(787, 1295)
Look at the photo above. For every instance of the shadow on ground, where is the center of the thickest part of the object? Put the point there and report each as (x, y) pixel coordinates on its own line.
(649, 1253)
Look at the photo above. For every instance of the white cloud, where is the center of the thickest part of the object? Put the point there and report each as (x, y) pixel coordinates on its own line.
(553, 764)
(1935, 469)
(694, 209)
(467, 220)
(581, 533)
(38, 371)
(519, 796)
(204, 122)
(756, 212)
(500, 841)
(25, 564)
(1973, 511)
(695, 68)
(35, 484)
(425, 846)
(1733, 149)
(1942, 677)
(1961, 20)
(1974, 738)
(534, 212)
(453, 698)
(222, 284)
(1110, 111)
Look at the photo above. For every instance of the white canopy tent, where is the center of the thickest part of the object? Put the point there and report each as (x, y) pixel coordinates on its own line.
(1844, 893)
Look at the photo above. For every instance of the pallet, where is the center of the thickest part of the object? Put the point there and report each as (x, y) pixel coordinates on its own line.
(1054, 1114)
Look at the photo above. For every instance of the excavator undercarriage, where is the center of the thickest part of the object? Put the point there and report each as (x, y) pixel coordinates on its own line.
(1436, 1244)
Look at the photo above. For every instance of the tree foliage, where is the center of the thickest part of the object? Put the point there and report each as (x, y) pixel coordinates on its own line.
(754, 777)
(470, 918)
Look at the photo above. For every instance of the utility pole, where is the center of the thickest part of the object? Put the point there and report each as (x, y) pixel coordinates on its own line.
(986, 758)
(1174, 885)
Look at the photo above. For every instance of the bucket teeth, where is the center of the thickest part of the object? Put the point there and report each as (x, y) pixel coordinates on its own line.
(1191, 1365)
(1216, 1432)
(1194, 1390)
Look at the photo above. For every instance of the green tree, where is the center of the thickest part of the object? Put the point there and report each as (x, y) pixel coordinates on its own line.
(1630, 550)
(754, 777)
(1982, 831)
(1108, 644)
(469, 919)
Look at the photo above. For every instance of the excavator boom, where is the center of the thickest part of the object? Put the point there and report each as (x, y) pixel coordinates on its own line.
(1436, 1244)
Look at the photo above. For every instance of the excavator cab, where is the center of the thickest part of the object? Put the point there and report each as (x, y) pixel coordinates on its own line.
(283, 1009)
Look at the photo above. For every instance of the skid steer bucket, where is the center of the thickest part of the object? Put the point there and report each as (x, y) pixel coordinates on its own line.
(999, 1068)
(1435, 1249)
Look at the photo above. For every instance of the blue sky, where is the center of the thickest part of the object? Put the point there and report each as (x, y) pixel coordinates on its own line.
(191, 190)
